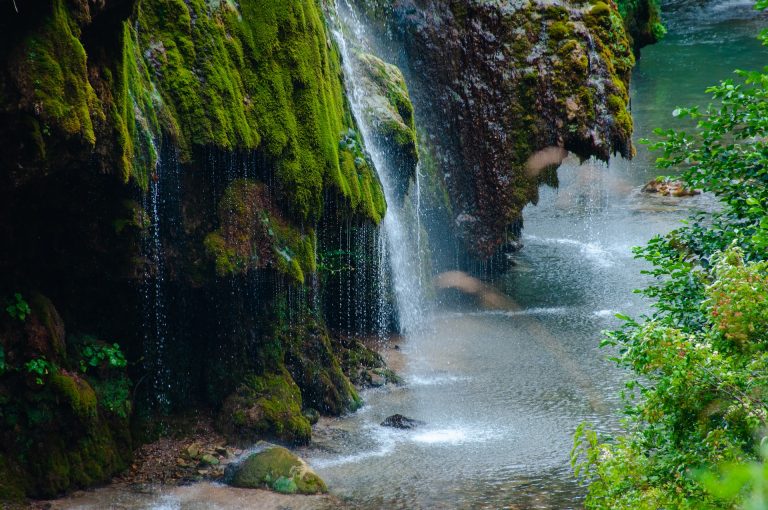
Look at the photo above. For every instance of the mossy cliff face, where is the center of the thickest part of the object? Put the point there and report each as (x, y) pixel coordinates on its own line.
(63, 413)
(262, 76)
(494, 82)
(168, 167)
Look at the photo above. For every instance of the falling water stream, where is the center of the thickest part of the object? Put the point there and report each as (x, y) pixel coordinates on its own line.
(501, 391)
(400, 223)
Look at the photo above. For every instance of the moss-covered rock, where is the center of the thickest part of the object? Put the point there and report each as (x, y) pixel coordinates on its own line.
(253, 235)
(267, 405)
(278, 469)
(312, 358)
(77, 394)
(642, 19)
(387, 106)
(56, 432)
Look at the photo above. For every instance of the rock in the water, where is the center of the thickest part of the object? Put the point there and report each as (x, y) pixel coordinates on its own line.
(399, 421)
(278, 469)
(669, 188)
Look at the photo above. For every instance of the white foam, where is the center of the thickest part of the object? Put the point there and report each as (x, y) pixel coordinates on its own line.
(605, 314)
(553, 310)
(434, 380)
(450, 436)
(593, 251)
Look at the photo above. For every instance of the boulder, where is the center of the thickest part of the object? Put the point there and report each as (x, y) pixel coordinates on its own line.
(669, 188)
(399, 421)
(275, 468)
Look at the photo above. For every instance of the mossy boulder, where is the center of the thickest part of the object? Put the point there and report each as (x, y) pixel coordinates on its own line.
(278, 469)
(266, 405)
(388, 108)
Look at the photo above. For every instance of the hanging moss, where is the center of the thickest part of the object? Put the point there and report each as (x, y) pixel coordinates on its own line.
(52, 76)
(263, 76)
(134, 113)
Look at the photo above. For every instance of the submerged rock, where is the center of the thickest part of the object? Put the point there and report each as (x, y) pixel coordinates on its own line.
(399, 421)
(278, 469)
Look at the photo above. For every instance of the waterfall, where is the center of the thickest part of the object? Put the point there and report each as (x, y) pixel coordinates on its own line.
(400, 227)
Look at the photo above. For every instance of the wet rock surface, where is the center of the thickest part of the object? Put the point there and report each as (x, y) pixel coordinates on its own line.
(276, 468)
(667, 188)
(398, 421)
(494, 82)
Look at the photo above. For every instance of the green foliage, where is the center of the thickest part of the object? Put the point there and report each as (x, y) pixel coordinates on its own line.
(734, 482)
(697, 402)
(95, 355)
(40, 368)
(18, 308)
(3, 365)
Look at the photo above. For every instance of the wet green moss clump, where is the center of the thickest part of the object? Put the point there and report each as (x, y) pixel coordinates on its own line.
(253, 234)
(266, 405)
(387, 106)
(278, 469)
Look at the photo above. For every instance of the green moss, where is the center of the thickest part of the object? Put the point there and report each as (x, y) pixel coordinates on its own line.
(253, 234)
(78, 395)
(280, 470)
(560, 30)
(263, 76)
(388, 108)
(600, 10)
(266, 405)
(54, 73)
(134, 112)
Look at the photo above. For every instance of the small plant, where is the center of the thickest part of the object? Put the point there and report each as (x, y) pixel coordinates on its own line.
(95, 354)
(40, 367)
(18, 308)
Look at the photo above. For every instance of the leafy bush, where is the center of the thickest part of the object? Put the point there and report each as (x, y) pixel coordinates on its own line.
(94, 355)
(39, 367)
(18, 308)
(696, 410)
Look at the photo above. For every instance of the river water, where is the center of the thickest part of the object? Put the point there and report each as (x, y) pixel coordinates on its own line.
(502, 391)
